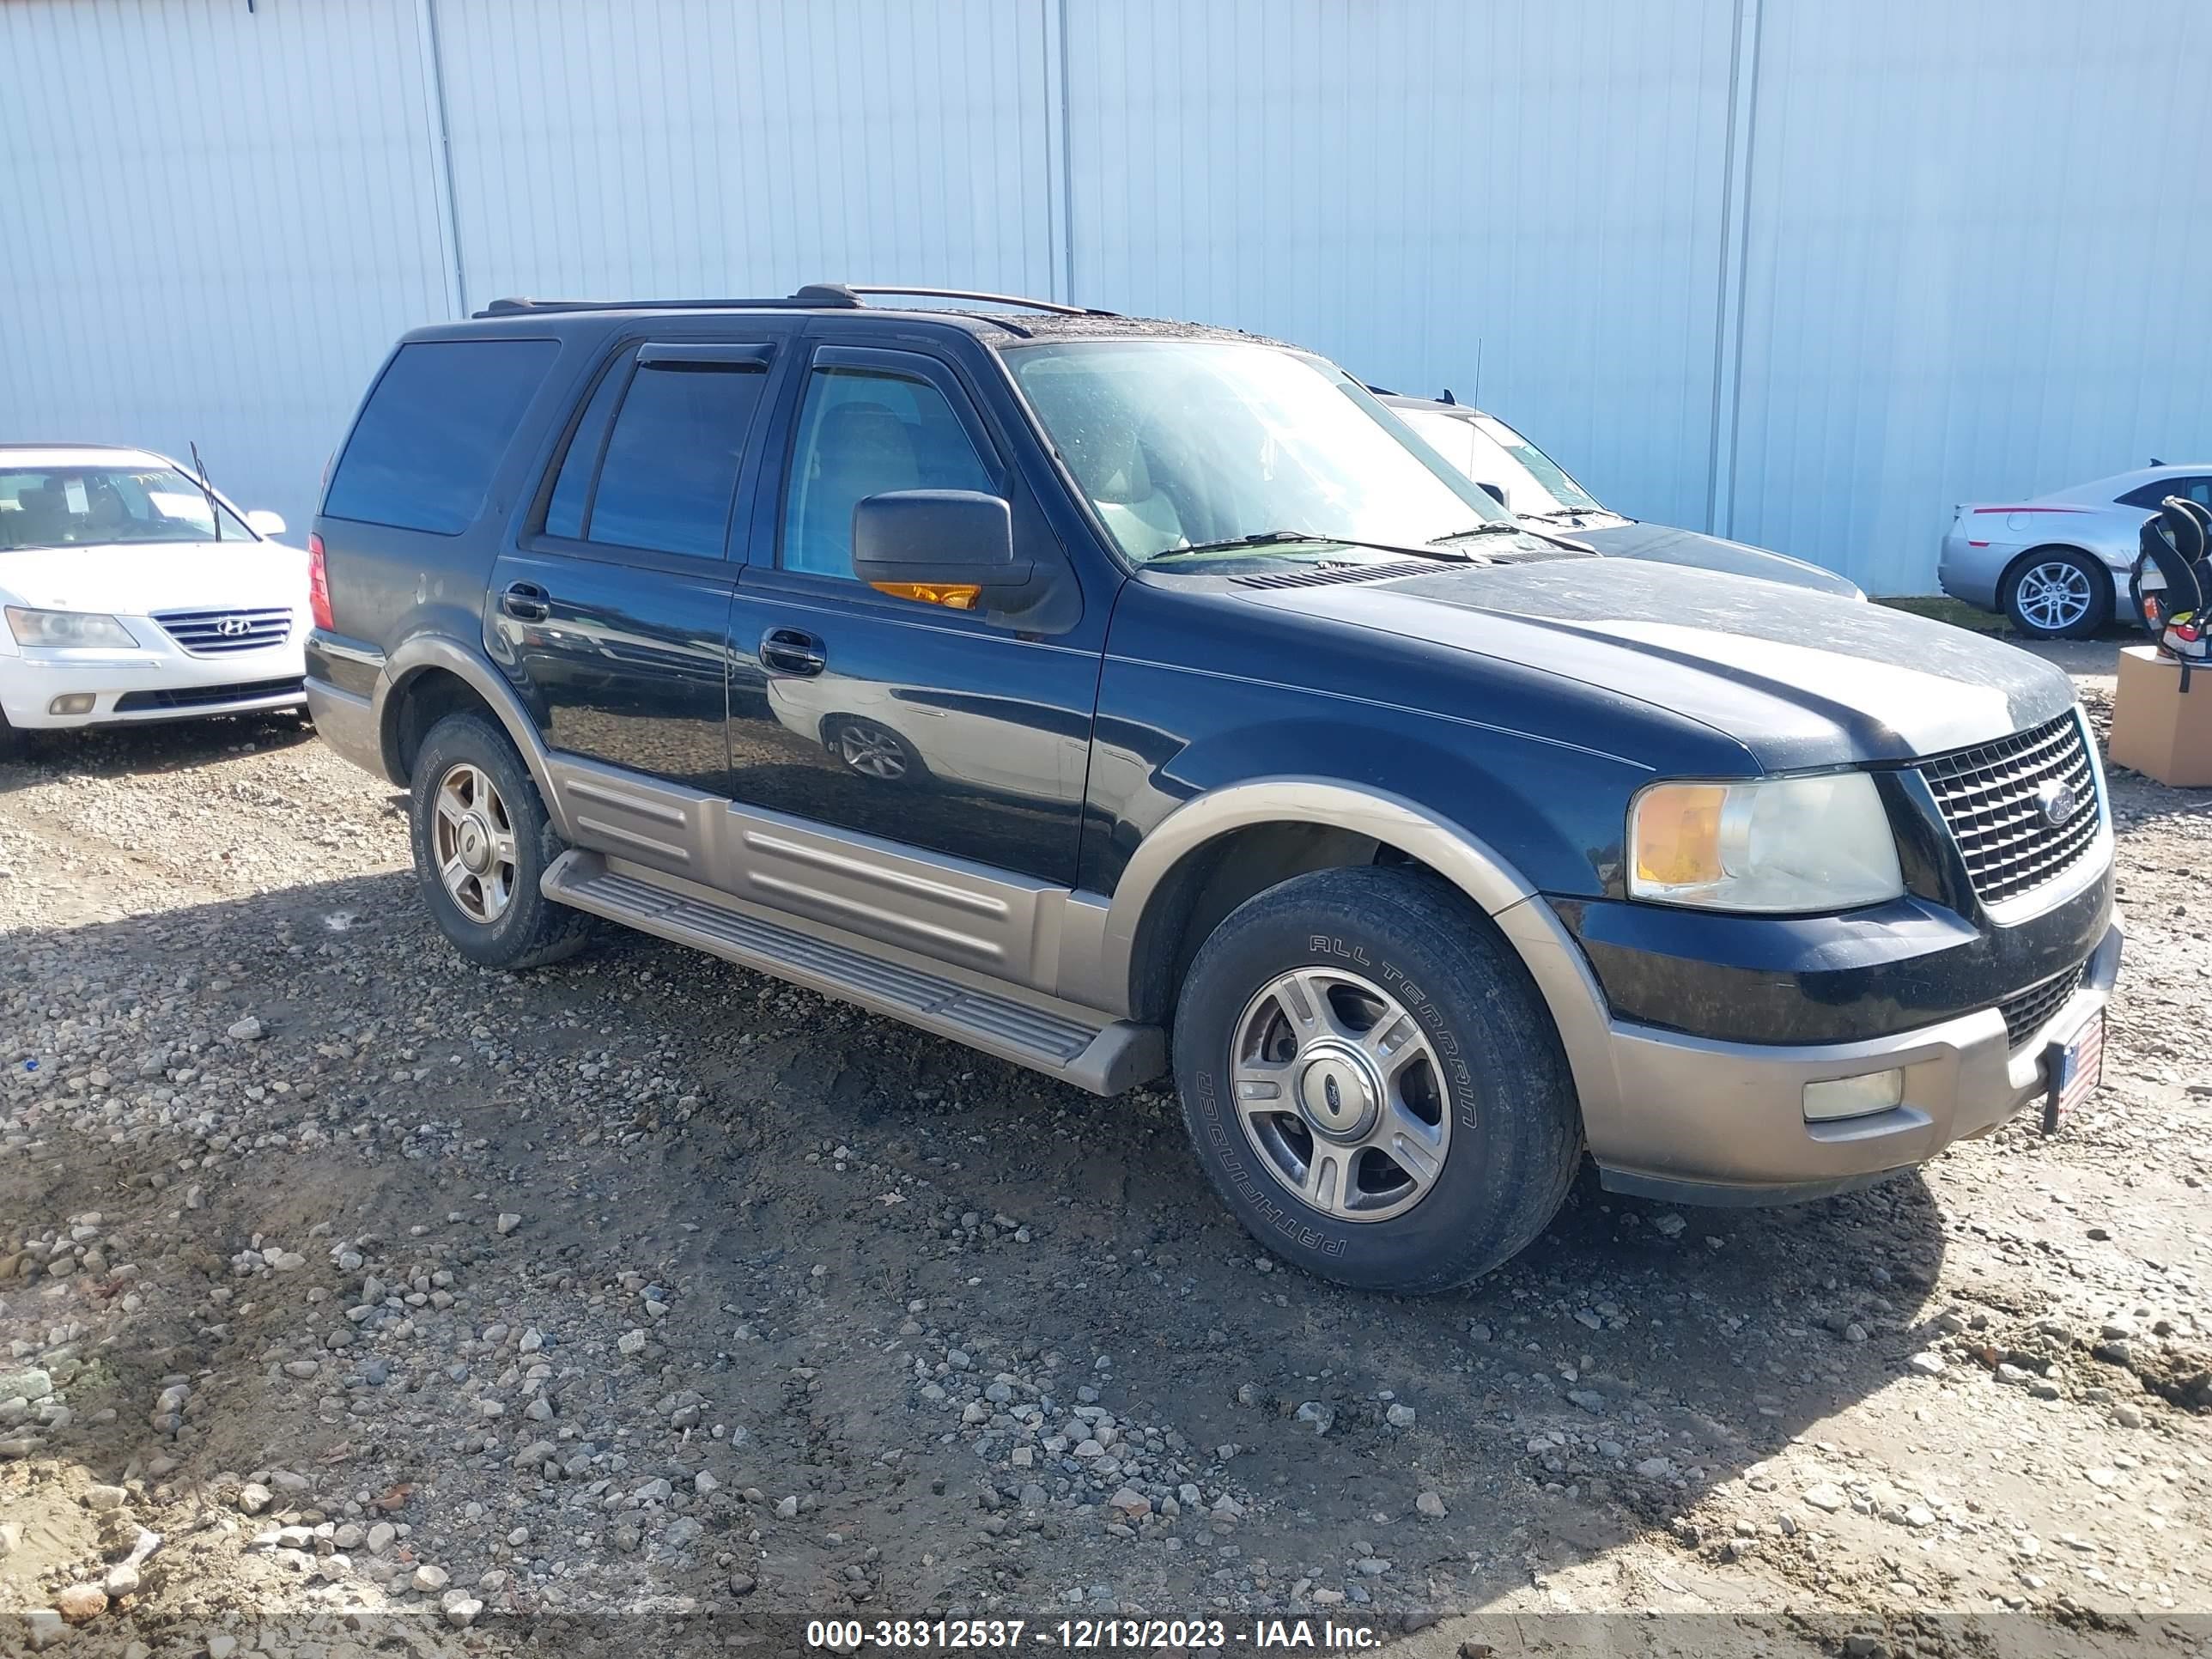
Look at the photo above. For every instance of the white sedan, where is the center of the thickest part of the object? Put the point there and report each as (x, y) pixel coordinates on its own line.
(130, 593)
(2058, 564)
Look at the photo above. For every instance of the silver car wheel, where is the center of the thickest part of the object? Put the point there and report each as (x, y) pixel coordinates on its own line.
(1340, 1095)
(474, 839)
(2055, 595)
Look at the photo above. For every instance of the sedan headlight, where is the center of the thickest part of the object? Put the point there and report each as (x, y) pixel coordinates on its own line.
(1775, 844)
(66, 627)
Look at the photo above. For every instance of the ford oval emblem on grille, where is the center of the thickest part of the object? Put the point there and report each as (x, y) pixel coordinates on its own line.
(230, 627)
(2058, 800)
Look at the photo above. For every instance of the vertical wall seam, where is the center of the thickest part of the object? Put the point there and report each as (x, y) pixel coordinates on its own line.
(441, 155)
(1060, 179)
(1735, 260)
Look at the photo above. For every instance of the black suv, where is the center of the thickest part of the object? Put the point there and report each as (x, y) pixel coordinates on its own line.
(1115, 696)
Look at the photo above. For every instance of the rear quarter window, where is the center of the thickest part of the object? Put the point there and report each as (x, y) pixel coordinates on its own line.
(422, 454)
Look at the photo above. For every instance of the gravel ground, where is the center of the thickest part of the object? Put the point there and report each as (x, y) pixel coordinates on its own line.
(357, 1300)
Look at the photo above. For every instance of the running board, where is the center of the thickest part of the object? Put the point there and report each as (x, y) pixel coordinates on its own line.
(1092, 1050)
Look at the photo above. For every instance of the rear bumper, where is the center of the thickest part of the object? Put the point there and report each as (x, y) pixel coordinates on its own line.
(1969, 573)
(347, 723)
(1711, 1122)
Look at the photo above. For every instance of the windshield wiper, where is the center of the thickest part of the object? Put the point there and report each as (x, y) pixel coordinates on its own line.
(207, 489)
(1288, 538)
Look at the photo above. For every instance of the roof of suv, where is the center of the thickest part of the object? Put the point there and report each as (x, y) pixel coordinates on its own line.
(1022, 319)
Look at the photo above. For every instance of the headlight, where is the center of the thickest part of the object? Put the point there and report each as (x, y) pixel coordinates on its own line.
(64, 628)
(1777, 844)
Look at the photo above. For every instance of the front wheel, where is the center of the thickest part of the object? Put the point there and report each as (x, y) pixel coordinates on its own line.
(482, 841)
(2057, 593)
(1372, 1082)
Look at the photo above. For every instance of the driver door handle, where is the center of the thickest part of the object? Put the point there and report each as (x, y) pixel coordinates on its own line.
(792, 651)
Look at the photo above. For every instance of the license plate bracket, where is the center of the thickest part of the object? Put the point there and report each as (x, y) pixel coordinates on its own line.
(2075, 1068)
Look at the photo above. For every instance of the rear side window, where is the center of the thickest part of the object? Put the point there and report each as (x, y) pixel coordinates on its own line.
(422, 454)
(2151, 495)
(661, 477)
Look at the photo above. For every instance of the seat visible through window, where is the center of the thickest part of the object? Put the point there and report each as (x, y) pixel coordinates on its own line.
(860, 434)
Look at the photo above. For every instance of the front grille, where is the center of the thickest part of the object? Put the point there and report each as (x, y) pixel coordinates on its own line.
(1989, 797)
(205, 696)
(224, 633)
(2024, 1015)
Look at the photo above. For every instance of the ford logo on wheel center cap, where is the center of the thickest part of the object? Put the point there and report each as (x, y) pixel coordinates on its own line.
(2059, 801)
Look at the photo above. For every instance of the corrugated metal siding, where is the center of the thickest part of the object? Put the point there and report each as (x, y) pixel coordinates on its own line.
(1979, 257)
(216, 223)
(691, 146)
(1408, 184)
(1807, 273)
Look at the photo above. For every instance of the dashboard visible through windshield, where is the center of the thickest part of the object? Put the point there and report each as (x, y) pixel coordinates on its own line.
(1197, 444)
(45, 507)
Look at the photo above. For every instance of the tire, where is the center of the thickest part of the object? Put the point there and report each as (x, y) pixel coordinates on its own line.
(1507, 1132)
(467, 768)
(869, 749)
(2057, 594)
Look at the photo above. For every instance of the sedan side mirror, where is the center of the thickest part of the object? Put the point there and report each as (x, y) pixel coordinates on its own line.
(263, 523)
(949, 547)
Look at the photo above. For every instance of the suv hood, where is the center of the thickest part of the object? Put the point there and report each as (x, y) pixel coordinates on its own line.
(139, 578)
(1800, 679)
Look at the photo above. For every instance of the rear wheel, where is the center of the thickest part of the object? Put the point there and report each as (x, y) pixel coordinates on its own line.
(2058, 593)
(1372, 1082)
(482, 841)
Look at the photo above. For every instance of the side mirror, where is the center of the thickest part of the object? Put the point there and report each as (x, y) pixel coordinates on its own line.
(949, 547)
(263, 523)
(1496, 492)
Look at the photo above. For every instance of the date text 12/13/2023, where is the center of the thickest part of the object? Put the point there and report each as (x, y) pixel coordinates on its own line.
(1087, 1635)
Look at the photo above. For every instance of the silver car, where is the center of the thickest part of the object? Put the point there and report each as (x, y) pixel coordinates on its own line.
(2058, 564)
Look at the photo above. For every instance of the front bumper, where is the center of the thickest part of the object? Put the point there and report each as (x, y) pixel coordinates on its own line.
(128, 687)
(1710, 1122)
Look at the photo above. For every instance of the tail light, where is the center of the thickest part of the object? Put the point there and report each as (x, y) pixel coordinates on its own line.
(319, 585)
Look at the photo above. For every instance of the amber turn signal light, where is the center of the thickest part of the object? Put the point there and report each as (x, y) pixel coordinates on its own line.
(959, 597)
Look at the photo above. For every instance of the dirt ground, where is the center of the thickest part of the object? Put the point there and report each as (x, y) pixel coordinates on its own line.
(375, 1304)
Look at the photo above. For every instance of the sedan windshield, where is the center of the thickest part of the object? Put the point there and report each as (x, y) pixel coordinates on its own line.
(1491, 452)
(81, 506)
(1194, 443)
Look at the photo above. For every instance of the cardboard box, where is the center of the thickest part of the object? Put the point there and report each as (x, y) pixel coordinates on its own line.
(2156, 730)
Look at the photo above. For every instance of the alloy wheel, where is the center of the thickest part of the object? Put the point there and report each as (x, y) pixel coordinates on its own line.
(475, 841)
(2054, 595)
(1340, 1094)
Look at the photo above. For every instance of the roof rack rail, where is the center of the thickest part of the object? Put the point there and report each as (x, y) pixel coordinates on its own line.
(814, 295)
(1054, 306)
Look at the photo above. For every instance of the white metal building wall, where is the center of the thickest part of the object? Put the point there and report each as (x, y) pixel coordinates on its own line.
(1804, 273)
(212, 225)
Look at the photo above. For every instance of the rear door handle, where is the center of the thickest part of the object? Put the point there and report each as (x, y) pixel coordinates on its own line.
(525, 602)
(791, 650)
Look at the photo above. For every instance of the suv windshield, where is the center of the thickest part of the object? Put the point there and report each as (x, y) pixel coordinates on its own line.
(79, 506)
(1188, 443)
